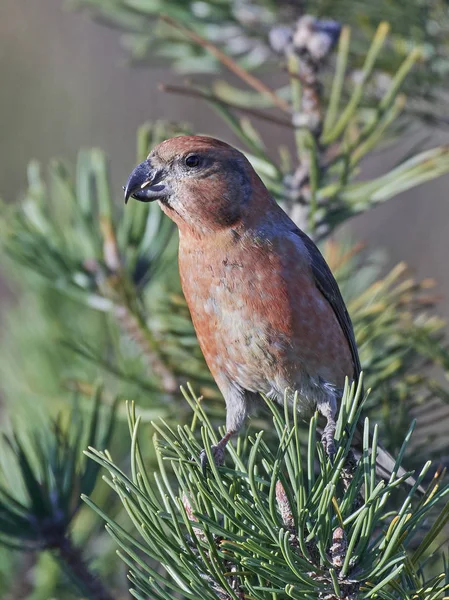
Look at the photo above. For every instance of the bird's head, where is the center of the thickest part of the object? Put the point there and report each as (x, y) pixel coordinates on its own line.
(201, 183)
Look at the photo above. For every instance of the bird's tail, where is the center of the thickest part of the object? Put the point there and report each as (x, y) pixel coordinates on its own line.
(384, 461)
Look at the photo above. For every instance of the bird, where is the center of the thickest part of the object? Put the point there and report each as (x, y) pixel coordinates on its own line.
(268, 313)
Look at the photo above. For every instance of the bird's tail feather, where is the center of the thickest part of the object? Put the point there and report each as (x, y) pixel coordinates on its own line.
(385, 463)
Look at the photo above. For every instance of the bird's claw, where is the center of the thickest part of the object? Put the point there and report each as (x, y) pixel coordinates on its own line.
(218, 453)
(327, 439)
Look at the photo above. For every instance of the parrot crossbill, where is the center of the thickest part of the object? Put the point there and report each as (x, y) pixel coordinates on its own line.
(266, 308)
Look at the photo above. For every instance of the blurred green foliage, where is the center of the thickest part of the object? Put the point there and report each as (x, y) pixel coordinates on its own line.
(43, 475)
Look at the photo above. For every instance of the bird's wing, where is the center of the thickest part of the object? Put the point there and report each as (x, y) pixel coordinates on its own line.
(327, 285)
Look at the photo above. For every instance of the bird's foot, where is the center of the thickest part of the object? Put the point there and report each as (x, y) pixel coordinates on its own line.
(218, 453)
(328, 408)
(327, 439)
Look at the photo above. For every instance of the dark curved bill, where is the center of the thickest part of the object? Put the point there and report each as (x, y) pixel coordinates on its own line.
(144, 184)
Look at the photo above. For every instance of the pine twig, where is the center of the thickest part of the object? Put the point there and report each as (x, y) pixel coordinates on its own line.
(286, 505)
(252, 112)
(306, 49)
(229, 63)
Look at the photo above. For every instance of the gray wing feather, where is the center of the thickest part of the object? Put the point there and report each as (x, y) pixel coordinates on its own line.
(327, 285)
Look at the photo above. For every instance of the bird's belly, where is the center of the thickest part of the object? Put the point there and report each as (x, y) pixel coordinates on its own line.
(243, 346)
(261, 360)
(252, 335)
(251, 355)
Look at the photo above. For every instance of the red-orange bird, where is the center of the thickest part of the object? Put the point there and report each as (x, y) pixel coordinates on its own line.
(267, 310)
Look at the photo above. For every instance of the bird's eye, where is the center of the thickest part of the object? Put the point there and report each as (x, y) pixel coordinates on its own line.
(192, 161)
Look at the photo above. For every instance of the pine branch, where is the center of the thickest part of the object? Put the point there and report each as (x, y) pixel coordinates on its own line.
(74, 564)
(272, 524)
(243, 34)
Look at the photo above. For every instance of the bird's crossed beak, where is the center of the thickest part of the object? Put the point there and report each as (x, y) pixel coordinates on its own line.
(146, 184)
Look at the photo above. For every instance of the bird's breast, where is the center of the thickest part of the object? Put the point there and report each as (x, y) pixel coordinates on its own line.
(259, 317)
(239, 313)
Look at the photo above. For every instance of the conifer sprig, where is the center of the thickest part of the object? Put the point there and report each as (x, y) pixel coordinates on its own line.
(278, 521)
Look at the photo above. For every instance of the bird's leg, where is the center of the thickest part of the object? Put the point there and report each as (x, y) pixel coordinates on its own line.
(237, 404)
(328, 408)
(218, 452)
